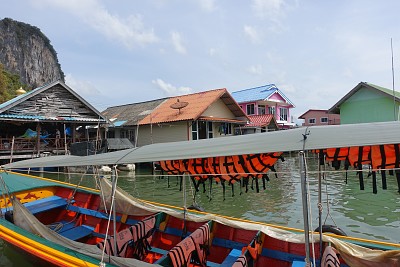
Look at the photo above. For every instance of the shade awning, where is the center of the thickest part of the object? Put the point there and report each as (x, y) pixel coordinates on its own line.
(306, 138)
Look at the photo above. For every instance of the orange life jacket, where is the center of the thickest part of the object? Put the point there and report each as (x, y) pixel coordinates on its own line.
(197, 242)
(385, 156)
(139, 234)
(171, 166)
(240, 262)
(336, 155)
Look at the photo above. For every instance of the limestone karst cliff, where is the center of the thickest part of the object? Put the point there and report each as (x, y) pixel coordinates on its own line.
(27, 52)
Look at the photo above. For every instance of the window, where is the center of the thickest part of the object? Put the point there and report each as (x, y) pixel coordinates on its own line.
(225, 128)
(250, 109)
(283, 114)
(111, 134)
(202, 130)
(324, 120)
(271, 110)
(261, 109)
(210, 129)
(311, 121)
(194, 131)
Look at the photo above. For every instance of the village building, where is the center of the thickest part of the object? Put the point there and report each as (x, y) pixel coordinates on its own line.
(203, 115)
(317, 117)
(266, 100)
(45, 120)
(368, 103)
(260, 124)
(124, 119)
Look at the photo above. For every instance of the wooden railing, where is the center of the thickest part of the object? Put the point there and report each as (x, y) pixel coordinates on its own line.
(17, 145)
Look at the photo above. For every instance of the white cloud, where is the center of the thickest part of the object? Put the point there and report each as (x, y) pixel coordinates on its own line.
(207, 5)
(252, 33)
(129, 31)
(268, 8)
(178, 42)
(171, 90)
(84, 88)
(256, 69)
(212, 51)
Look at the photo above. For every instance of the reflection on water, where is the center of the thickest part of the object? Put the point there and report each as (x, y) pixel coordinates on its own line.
(359, 213)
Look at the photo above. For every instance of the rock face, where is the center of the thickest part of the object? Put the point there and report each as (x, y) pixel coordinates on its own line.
(26, 51)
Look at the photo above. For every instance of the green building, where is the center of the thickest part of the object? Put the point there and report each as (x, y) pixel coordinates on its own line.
(368, 103)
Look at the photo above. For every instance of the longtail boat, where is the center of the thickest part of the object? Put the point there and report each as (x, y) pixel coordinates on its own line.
(70, 225)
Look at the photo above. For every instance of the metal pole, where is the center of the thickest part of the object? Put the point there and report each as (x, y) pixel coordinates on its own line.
(303, 178)
(320, 202)
(113, 189)
(184, 205)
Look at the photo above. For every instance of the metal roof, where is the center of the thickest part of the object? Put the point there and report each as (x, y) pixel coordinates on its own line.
(336, 107)
(196, 105)
(130, 114)
(260, 120)
(9, 105)
(258, 93)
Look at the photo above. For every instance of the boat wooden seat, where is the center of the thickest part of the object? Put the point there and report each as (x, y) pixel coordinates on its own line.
(298, 263)
(231, 258)
(77, 232)
(98, 214)
(45, 204)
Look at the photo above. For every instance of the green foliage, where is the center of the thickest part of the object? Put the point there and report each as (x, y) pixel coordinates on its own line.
(9, 83)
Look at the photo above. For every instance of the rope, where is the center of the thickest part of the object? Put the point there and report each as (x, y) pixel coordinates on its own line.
(5, 193)
(109, 218)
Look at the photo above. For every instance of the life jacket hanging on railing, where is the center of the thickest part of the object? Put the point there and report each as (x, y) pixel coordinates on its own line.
(379, 157)
(230, 169)
(386, 157)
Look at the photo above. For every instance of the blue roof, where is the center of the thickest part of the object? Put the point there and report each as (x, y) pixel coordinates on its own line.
(119, 123)
(25, 117)
(257, 93)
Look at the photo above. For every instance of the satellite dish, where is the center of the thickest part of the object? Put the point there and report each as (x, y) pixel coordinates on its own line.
(179, 105)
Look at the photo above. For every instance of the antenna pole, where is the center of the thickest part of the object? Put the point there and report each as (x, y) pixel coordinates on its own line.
(394, 96)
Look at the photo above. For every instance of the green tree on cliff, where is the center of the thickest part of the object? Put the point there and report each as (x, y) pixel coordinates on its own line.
(9, 83)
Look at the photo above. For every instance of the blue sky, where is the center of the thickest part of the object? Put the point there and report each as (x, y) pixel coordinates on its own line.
(128, 51)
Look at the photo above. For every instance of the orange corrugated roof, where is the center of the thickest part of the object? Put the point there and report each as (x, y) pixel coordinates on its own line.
(202, 118)
(260, 120)
(197, 104)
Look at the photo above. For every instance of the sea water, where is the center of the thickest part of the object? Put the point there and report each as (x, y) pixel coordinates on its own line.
(359, 213)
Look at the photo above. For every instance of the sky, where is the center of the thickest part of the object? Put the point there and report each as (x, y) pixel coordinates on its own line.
(116, 52)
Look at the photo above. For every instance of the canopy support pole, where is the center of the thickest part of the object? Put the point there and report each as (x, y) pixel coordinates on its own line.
(320, 175)
(184, 205)
(113, 189)
(304, 190)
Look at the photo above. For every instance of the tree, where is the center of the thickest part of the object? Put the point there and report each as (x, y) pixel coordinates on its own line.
(9, 84)
(3, 86)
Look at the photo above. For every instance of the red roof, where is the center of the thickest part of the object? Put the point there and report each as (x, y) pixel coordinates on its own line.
(191, 108)
(260, 120)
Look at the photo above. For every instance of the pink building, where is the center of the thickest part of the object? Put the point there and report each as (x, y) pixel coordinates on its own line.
(314, 117)
(265, 100)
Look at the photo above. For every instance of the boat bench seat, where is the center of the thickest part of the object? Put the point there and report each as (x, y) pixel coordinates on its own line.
(98, 214)
(45, 204)
(77, 232)
(231, 258)
(298, 263)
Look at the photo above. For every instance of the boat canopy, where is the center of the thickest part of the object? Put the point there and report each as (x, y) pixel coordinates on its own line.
(305, 138)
